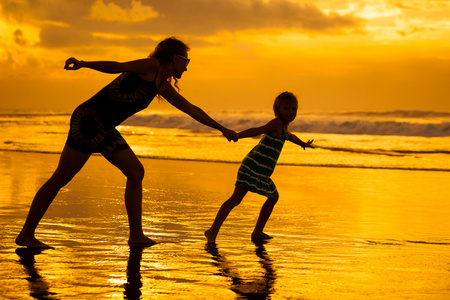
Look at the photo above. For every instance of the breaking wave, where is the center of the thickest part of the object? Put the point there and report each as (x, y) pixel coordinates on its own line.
(399, 123)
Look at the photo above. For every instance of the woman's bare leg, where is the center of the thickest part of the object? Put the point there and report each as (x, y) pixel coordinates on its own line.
(127, 162)
(70, 163)
(238, 194)
(264, 215)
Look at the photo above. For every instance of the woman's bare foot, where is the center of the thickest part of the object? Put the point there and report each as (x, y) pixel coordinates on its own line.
(31, 242)
(141, 240)
(261, 236)
(210, 236)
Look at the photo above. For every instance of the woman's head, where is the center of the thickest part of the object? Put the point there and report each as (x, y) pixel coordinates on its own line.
(172, 50)
(167, 49)
(285, 106)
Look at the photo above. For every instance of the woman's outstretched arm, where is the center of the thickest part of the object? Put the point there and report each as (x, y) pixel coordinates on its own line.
(142, 66)
(178, 101)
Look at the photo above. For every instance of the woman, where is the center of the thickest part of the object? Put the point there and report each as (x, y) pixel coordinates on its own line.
(92, 129)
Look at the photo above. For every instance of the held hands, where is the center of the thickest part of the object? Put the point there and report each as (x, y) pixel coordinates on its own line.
(307, 144)
(231, 135)
(73, 64)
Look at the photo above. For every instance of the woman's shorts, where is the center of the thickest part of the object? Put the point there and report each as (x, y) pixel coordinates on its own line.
(87, 133)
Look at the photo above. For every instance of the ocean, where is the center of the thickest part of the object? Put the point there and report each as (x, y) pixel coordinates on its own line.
(403, 140)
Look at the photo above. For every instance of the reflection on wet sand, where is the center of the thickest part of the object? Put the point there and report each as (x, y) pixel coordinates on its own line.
(134, 278)
(256, 288)
(362, 236)
(39, 288)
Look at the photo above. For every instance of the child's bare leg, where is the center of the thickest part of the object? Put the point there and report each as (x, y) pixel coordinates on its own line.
(70, 163)
(132, 168)
(223, 212)
(264, 215)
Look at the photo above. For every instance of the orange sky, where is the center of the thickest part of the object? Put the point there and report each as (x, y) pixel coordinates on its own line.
(336, 55)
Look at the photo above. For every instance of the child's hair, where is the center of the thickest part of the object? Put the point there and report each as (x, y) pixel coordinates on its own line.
(283, 98)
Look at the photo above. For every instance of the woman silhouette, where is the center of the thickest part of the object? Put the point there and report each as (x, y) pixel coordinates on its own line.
(92, 129)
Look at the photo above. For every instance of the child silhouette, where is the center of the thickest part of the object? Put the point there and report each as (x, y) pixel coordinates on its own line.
(257, 167)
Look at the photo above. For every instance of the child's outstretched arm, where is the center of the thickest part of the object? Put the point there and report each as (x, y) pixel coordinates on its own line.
(293, 138)
(274, 127)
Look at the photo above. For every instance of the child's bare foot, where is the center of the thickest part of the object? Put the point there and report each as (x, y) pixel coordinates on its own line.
(210, 236)
(261, 236)
(31, 242)
(141, 240)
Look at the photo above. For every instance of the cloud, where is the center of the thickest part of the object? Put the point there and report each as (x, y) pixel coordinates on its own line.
(208, 17)
(37, 11)
(56, 37)
(19, 38)
(137, 19)
(402, 6)
(112, 12)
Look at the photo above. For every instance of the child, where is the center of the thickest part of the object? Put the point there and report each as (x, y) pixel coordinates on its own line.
(258, 165)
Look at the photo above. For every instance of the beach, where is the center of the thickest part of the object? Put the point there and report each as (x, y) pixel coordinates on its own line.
(339, 233)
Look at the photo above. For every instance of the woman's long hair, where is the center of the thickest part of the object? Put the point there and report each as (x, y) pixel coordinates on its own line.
(165, 51)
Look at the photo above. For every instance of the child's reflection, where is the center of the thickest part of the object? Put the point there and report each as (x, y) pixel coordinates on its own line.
(256, 288)
(39, 289)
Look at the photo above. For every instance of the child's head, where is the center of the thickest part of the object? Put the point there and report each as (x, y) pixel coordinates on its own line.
(285, 106)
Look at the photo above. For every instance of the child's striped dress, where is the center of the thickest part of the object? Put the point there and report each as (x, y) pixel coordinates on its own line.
(258, 165)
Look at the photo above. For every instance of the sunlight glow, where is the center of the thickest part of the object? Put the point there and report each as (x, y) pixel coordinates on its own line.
(109, 36)
(117, 279)
(374, 12)
(257, 56)
(370, 11)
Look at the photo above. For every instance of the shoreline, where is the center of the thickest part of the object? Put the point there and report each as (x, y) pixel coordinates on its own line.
(337, 166)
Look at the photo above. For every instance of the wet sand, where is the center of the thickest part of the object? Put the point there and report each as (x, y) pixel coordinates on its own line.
(338, 234)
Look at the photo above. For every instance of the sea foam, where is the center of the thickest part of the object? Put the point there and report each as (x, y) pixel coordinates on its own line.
(399, 123)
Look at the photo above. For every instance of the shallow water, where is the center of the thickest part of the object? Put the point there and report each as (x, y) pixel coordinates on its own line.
(338, 234)
(374, 143)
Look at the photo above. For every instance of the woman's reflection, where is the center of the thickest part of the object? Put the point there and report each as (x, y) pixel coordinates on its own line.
(134, 282)
(39, 289)
(256, 288)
